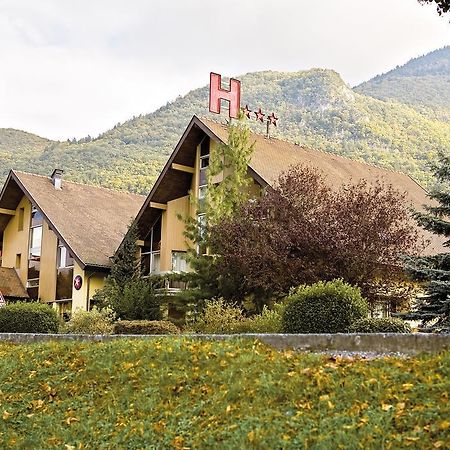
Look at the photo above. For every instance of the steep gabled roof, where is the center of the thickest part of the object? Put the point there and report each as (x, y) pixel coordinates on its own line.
(91, 221)
(10, 284)
(270, 159)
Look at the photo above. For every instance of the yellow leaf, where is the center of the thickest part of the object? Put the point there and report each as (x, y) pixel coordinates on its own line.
(407, 386)
(286, 437)
(324, 398)
(70, 420)
(444, 425)
(386, 407)
(228, 408)
(251, 436)
(438, 444)
(6, 415)
(291, 374)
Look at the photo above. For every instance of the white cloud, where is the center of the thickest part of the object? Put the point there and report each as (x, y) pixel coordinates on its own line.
(77, 68)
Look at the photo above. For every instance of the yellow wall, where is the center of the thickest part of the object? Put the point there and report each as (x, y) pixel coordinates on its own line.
(92, 282)
(16, 242)
(47, 277)
(172, 228)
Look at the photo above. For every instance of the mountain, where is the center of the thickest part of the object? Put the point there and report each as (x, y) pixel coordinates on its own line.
(17, 147)
(422, 82)
(316, 108)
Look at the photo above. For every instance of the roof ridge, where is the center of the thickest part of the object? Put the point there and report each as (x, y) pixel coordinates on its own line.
(80, 184)
(316, 149)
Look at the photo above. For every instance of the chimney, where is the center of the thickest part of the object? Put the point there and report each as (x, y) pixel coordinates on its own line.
(57, 178)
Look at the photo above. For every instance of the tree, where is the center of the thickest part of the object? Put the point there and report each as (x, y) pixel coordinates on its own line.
(434, 308)
(124, 267)
(126, 292)
(442, 6)
(303, 231)
(229, 164)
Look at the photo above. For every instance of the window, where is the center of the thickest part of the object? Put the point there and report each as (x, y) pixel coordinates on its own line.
(203, 180)
(20, 223)
(204, 162)
(34, 256)
(179, 263)
(151, 252)
(65, 259)
(35, 241)
(64, 273)
(201, 249)
(18, 260)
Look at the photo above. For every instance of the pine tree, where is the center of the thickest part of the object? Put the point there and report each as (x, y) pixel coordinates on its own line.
(434, 308)
(124, 267)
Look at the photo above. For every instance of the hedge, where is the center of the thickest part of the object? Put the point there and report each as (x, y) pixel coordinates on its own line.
(380, 325)
(145, 327)
(323, 308)
(33, 317)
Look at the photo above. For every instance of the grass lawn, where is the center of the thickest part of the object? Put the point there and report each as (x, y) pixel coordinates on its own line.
(181, 393)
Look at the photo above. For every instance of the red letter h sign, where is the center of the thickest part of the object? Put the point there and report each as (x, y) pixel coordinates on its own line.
(216, 93)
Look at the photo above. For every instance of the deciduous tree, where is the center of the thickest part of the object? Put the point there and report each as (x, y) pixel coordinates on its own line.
(303, 231)
(442, 6)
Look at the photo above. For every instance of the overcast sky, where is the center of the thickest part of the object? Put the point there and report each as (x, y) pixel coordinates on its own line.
(73, 68)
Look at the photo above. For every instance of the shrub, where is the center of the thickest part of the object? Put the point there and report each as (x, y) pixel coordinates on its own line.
(219, 317)
(97, 321)
(145, 327)
(323, 308)
(33, 317)
(137, 300)
(380, 325)
(269, 321)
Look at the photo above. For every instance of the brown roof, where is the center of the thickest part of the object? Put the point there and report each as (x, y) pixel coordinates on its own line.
(91, 221)
(272, 157)
(10, 284)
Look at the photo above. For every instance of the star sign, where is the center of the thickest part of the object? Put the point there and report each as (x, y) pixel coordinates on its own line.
(246, 111)
(259, 115)
(272, 119)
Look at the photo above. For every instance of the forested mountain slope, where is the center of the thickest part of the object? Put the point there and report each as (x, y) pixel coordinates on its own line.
(422, 82)
(315, 107)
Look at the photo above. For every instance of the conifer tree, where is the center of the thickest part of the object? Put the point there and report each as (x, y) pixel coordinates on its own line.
(124, 267)
(434, 308)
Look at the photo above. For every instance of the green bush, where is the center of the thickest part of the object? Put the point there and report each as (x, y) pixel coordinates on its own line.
(380, 325)
(269, 321)
(219, 317)
(137, 300)
(33, 317)
(145, 327)
(323, 308)
(96, 321)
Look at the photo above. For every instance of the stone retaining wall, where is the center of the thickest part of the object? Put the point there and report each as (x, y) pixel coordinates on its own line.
(360, 343)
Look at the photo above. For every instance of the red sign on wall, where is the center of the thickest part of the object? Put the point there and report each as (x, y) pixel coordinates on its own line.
(78, 282)
(217, 93)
